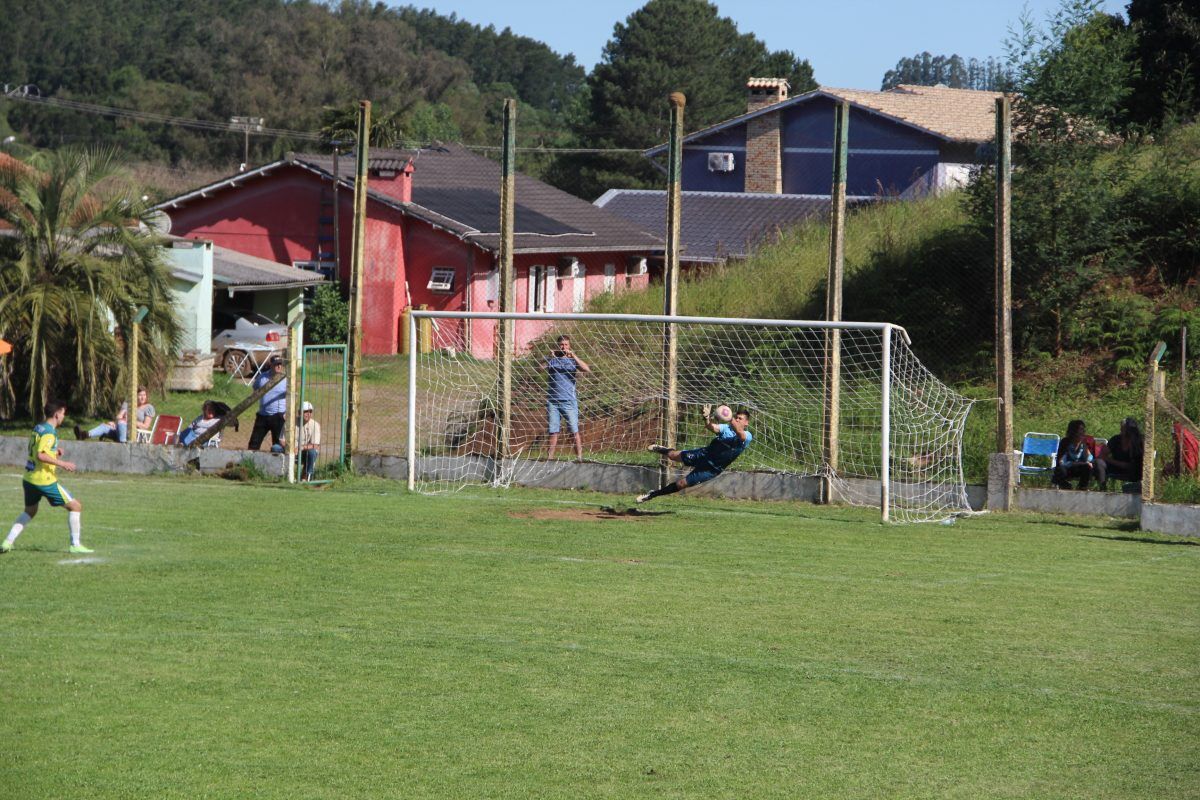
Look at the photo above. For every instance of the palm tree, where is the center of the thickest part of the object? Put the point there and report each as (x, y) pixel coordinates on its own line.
(76, 261)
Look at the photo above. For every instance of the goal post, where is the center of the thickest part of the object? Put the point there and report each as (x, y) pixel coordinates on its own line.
(899, 431)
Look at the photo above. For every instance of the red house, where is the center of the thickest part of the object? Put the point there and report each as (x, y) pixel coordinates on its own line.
(432, 236)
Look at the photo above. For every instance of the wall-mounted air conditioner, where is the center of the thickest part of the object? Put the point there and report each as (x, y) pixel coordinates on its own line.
(442, 280)
(720, 162)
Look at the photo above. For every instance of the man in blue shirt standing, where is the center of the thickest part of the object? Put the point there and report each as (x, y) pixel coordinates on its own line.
(711, 460)
(271, 408)
(561, 400)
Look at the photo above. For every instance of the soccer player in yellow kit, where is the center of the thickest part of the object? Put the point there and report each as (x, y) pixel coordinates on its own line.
(41, 479)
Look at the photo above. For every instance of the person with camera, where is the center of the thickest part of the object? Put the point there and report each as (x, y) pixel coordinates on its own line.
(561, 399)
(271, 408)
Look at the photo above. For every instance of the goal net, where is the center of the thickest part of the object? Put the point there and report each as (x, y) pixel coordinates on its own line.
(894, 437)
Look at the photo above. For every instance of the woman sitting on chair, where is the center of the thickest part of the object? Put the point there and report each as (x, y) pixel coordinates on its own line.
(1075, 459)
(119, 428)
(200, 424)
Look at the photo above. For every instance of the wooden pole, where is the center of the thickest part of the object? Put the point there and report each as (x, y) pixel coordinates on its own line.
(1148, 434)
(504, 331)
(1003, 258)
(670, 365)
(354, 345)
(135, 335)
(236, 411)
(1183, 376)
(134, 345)
(833, 296)
(290, 415)
(337, 238)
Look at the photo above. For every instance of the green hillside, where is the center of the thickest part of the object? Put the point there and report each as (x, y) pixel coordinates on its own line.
(927, 265)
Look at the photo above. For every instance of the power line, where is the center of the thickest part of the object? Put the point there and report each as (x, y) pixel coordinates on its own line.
(29, 94)
(24, 95)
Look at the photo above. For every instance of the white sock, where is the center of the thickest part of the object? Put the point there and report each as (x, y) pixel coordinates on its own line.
(17, 527)
(73, 526)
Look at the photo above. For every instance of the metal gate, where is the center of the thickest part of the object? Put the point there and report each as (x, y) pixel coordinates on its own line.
(323, 384)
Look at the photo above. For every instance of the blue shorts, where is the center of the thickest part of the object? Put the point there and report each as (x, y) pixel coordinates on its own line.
(55, 493)
(702, 469)
(556, 410)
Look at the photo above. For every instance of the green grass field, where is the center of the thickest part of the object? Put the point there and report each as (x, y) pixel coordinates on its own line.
(237, 640)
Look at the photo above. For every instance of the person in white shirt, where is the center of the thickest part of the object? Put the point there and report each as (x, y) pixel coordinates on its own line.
(309, 439)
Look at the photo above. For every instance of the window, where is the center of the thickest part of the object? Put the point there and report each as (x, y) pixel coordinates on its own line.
(542, 286)
(578, 287)
(441, 281)
(493, 286)
(610, 277)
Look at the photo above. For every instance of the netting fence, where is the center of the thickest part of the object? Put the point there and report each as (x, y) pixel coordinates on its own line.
(463, 431)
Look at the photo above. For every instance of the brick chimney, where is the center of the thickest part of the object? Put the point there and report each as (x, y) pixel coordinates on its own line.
(763, 160)
(392, 179)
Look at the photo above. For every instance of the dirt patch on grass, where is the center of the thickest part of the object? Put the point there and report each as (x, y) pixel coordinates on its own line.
(586, 514)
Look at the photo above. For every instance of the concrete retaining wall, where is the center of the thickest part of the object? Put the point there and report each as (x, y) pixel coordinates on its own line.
(1181, 520)
(612, 478)
(620, 478)
(1066, 501)
(143, 459)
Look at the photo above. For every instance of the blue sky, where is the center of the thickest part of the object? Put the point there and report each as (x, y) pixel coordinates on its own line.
(850, 43)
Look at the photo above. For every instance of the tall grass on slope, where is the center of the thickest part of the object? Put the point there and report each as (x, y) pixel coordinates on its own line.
(785, 278)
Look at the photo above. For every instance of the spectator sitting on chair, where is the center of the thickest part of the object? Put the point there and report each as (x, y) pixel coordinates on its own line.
(1075, 459)
(271, 408)
(208, 417)
(119, 428)
(1122, 456)
(309, 438)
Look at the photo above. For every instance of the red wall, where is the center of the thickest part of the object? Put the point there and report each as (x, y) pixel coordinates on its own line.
(483, 332)
(276, 217)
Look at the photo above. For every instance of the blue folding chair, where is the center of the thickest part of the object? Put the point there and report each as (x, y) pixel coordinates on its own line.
(1038, 445)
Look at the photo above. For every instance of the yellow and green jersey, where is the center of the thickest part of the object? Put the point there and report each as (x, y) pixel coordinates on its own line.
(44, 439)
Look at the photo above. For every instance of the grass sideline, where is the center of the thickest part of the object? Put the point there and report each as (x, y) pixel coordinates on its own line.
(232, 640)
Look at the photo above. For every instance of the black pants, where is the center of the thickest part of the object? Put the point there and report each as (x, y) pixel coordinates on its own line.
(264, 423)
(1082, 471)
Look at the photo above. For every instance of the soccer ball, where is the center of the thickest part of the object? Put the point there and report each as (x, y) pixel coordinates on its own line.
(722, 414)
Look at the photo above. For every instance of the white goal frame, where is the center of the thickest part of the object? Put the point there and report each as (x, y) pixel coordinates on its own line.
(885, 329)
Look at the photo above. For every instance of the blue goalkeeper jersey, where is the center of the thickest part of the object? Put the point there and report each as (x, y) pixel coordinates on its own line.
(724, 449)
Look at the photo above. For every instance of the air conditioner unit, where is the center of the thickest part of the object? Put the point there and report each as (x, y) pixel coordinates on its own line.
(442, 280)
(720, 162)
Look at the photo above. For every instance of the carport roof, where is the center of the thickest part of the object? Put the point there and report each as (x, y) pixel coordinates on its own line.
(244, 273)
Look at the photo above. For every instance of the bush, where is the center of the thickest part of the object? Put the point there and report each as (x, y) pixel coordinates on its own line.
(328, 318)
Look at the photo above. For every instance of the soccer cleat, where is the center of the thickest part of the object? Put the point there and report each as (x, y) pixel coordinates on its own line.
(642, 498)
(5, 547)
(658, 448)
(79, 550)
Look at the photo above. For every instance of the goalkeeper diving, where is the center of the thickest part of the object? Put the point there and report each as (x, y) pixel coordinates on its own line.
(707, 462)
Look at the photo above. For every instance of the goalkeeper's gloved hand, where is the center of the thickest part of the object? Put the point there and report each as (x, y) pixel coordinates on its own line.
(706, 410)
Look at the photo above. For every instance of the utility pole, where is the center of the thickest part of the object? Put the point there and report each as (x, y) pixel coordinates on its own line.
(670, 352)
(833, 296)
(504, 331)
(353, 411)
(1003, 259)
(246, 125)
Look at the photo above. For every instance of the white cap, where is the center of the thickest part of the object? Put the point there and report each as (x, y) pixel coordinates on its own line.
(307, 406)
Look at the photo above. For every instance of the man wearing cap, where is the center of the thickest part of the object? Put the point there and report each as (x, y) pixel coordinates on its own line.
(271, 408)
(309, 438)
